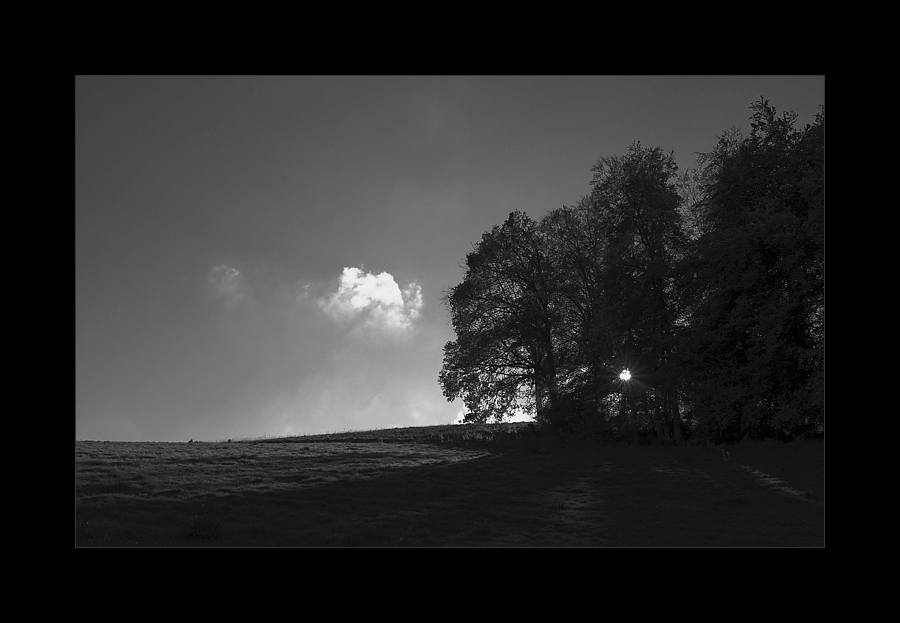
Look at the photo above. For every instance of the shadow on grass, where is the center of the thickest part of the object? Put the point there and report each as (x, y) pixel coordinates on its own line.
(550, 493)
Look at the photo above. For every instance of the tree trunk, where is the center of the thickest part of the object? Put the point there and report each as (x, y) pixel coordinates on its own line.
(676, 418)
(539, 393)
(660, 421)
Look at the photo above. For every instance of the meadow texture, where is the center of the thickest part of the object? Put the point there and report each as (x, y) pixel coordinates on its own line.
(451, 486)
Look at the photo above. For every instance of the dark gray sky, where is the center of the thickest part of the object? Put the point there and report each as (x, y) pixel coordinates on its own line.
(266, 255)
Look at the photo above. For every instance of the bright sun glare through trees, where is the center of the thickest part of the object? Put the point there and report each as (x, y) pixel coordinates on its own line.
(709, 282)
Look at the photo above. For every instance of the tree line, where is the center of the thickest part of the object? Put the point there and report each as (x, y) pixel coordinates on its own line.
(707, 285)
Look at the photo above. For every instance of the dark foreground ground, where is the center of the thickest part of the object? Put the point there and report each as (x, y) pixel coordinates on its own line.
(382, 489)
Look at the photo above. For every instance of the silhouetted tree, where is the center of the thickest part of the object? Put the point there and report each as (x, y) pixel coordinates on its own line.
(639, 209)
(708, 285)
(756, 345)
(505, 316)
(586, 346)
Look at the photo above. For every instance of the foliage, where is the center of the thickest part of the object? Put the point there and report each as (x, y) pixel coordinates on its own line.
(505, 314)
(707, 284)
(757, 337)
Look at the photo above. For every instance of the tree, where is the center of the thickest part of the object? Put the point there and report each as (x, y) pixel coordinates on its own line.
(505, 315)
(573, 237)
(756, 346)
(638, 208)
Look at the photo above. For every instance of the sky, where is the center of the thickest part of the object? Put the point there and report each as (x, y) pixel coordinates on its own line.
(265, 255)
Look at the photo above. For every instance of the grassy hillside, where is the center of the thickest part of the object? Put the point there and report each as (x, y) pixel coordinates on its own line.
(450, 486)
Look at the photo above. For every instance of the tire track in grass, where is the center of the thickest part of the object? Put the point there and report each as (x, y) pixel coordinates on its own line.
(694, 476)
(776, 484)
(576, 504)
(697, 475)
(574, 515)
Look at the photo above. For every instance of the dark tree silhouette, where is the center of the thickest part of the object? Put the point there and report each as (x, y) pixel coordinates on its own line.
(708, 285)
(756, 345)
(638, 199)
(504, 314)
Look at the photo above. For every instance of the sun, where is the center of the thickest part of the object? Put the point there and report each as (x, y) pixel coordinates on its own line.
(625, 375)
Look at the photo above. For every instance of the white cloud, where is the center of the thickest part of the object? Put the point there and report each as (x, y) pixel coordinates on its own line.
(375, 301)
(229, 283)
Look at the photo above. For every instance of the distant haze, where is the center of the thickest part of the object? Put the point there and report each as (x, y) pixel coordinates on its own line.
(266, 255)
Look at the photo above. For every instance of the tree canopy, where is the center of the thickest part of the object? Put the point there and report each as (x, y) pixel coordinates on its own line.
(707, 284)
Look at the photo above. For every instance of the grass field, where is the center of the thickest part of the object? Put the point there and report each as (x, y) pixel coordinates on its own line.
(459, 486)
